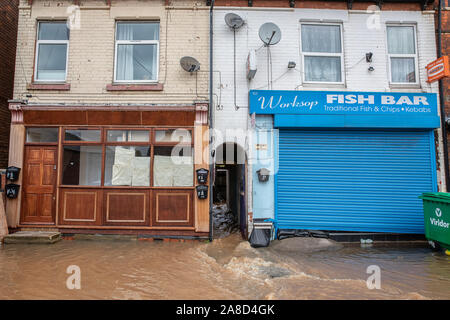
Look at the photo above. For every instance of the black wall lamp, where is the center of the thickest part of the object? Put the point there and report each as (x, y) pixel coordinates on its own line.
(12, 173)
(369, 56)
(202, 191)
(202, 175)
(12, 190)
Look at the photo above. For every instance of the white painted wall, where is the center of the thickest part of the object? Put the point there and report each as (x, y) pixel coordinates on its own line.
(357, 37)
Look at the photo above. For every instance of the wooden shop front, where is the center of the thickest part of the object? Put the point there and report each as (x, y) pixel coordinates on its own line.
(110, 170)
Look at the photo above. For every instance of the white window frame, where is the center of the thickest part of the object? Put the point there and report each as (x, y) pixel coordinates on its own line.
(136, 42)
(39, 42)
(322, 54)
(415, 55)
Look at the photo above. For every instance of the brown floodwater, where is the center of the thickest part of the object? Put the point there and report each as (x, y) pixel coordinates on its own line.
(224, 269)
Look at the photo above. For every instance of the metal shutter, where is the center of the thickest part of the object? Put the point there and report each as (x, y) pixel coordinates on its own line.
(354, 180)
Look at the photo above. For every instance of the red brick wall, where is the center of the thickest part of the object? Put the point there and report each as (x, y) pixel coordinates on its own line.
(8, 40)
(445, 38)
(413, 5)
(445, 41)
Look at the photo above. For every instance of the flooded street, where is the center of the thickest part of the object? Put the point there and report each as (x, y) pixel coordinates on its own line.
(301, 268)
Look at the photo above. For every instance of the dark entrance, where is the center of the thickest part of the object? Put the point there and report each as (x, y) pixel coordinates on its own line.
(229, 196)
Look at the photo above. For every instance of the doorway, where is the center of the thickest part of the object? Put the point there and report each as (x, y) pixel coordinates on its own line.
(39, 185)
(229, 192)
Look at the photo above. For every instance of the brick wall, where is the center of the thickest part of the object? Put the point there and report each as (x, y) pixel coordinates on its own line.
(8, 34)
(184, 31)
(445, 38)
(313, 4)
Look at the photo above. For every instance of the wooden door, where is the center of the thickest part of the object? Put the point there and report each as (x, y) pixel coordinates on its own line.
(39, 184)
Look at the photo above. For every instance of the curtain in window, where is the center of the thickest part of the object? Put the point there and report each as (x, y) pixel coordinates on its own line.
(326, 69)
(403, 70)
(125, 65)
(317, 38)
(401, 40)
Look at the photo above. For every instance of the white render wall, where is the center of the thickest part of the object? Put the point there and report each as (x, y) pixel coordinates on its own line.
(357, 37)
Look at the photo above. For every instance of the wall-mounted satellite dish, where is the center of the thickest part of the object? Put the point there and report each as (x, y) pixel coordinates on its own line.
(269, 33)
(233, 21)
(190, 64)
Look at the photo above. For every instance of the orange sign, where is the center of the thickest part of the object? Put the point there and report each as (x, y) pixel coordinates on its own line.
(438, 69)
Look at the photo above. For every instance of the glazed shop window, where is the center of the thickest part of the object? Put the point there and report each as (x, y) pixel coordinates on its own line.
(82, 165)
(173, 136)
(42, 135)
(85, 135)
(128, 136)
(321, 46)
(137, 50)
(51, 51)
(402, 54)
(127, 166)
(173, 166)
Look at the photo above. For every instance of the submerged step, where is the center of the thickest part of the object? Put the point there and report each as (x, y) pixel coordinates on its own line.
(29, 237)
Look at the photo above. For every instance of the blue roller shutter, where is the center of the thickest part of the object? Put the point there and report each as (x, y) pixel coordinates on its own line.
(354, 180)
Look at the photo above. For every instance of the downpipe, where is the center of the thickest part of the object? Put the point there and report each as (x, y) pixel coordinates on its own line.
(211, 125)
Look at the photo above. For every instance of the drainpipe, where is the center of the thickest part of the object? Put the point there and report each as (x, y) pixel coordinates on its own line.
(442, 101)
(211, 165)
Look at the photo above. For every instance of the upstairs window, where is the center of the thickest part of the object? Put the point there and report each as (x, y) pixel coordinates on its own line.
(321, 46)
(137, 52)
(51, 51)
(402, 54)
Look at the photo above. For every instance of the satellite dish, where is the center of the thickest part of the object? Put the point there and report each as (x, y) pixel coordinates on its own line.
(234, 21)
(190, 64)
(269, 33)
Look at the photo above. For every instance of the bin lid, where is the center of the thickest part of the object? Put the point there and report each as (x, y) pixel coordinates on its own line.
(438, 196)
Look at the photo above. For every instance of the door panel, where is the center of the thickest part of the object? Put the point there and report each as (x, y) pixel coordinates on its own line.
(172, 208)
(39, 191)
(79, 206)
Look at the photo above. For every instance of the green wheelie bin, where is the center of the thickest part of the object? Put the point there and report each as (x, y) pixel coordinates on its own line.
(436, 208)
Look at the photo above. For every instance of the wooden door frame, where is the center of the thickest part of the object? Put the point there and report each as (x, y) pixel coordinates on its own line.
(54, 146)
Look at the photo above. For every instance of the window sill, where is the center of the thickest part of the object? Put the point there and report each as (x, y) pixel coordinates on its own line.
(404, 86)
(135, 87)
(49, 86)
(322, 85)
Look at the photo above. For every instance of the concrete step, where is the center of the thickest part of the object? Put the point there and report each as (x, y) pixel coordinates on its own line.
(31, 237)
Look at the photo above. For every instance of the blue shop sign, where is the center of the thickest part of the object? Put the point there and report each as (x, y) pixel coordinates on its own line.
(346, 108)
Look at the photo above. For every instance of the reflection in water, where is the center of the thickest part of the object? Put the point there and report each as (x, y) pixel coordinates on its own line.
(225, 269)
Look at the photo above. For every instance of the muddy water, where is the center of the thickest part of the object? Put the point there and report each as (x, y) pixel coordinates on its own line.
(225, 269)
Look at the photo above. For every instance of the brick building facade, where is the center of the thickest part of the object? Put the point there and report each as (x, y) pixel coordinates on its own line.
(101, 104)
(445, 50)
(8, 38)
